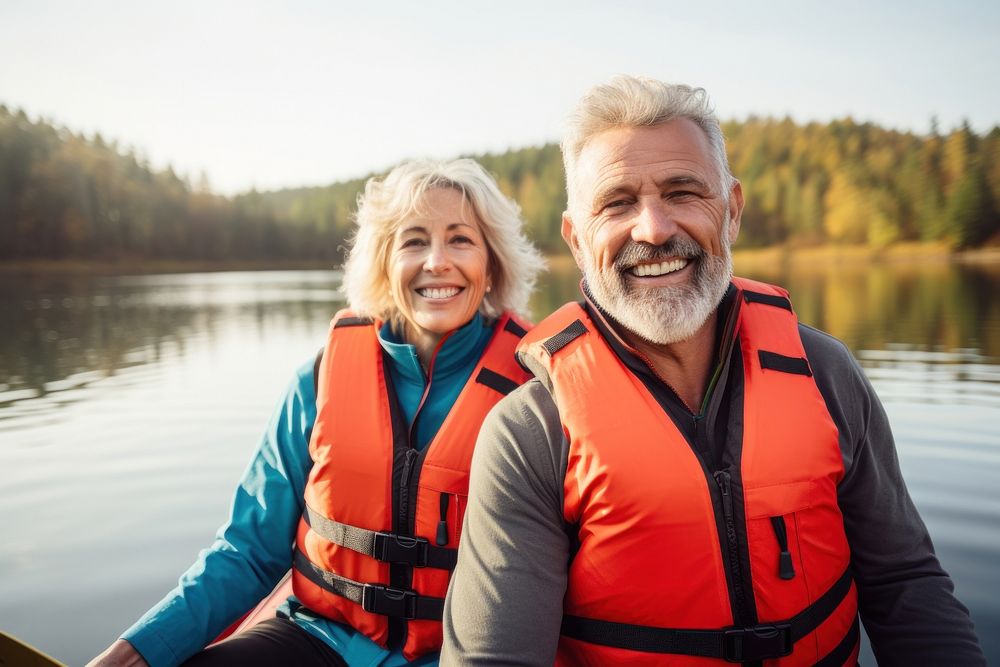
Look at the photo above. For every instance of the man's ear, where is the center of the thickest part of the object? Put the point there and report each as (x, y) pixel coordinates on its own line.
(735, 210)
(569, 235)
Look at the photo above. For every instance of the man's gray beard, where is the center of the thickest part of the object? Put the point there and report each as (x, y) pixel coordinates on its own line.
(661, 315)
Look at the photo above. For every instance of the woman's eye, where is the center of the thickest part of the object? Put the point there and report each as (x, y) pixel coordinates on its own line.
(413, 243)
(461, 239)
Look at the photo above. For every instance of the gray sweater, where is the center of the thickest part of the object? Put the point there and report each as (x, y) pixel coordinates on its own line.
(504, 605)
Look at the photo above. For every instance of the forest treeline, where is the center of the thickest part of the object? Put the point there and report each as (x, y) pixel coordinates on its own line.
(64, 195)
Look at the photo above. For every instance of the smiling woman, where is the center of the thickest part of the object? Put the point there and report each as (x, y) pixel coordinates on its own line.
(439, 268)
(359, 483)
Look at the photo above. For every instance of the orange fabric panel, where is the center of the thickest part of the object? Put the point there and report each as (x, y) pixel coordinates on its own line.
(638, 494)
(649, 551)
(351, 480)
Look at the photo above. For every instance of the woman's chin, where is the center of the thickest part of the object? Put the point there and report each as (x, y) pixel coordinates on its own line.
(438, 324)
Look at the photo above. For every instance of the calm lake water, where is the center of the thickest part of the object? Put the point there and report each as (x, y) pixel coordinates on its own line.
(111, 387)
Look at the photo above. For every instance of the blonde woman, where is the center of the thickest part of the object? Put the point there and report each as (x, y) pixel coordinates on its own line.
(359, 483)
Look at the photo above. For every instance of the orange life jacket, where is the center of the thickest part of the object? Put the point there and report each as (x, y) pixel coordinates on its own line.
(681, 563)
(379, 535)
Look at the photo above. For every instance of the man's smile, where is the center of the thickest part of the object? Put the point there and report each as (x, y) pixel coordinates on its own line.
(659, 268)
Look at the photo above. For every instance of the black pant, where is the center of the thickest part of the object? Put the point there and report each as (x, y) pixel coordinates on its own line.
(276, 641)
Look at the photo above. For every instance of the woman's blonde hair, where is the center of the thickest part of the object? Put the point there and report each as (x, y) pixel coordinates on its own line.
(386, 203)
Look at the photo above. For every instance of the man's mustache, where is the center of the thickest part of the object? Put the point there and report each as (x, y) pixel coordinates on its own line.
(634, 252)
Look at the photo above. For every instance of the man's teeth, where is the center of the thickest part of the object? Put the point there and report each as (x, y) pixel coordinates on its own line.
(659, 269)
(438, 292)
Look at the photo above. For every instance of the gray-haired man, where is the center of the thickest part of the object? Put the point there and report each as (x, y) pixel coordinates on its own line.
(694, 478)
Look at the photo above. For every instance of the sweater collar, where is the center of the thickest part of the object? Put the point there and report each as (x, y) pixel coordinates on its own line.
(452, 354)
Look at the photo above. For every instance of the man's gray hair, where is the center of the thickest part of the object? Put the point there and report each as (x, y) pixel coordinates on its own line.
(628, 101)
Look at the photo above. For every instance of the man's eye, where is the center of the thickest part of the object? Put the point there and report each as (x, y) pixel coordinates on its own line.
(617, 203)
(680, 194)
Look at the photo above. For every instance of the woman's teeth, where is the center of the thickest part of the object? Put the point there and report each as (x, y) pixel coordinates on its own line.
(660, 269)
(438, 292)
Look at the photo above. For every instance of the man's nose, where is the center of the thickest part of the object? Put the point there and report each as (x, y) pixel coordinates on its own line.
(654, 225)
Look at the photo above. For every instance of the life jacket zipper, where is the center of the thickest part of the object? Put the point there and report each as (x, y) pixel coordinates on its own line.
(786, 569)
(404, 487)
(723, 479)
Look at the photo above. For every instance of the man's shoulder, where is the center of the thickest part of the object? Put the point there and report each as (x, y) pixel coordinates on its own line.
(841, 380)
(524, 427)
(822, 347)
(529, 407)
(829, 357)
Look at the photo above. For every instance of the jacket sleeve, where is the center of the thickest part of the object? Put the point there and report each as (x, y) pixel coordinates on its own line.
(251, 552)
(504, 605)
(906, 599)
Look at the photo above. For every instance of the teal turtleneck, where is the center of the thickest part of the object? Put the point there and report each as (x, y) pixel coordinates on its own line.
(450, 369)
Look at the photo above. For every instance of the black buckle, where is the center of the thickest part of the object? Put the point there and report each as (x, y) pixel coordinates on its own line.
(768, 640)
(392, 548)
(389, 601)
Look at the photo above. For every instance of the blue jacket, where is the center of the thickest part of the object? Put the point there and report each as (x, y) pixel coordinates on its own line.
(253, 550)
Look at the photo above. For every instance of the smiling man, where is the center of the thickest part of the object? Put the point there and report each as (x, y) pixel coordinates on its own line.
(694, 477)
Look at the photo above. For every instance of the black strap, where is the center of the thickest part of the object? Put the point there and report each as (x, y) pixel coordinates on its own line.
(514, 328)
(812, 616)
(373, 598)
(645, 638)
(495, 381)
(564, 337)
(767, 299)
(734, 644)
(353, 322)
(839, 655)
(385, 547)
(779, 362)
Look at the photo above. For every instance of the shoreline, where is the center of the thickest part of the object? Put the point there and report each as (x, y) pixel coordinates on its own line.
(146, 267)
(772, 257)
(828, 255)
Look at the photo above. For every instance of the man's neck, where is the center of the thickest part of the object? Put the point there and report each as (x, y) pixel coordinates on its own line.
(685, 365)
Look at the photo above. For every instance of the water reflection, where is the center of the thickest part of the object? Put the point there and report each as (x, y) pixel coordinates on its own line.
(936, 306)
(67, 330)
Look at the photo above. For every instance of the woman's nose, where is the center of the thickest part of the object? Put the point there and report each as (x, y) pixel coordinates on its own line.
(437, 259)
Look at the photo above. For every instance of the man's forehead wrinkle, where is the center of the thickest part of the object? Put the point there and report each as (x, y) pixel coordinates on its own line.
(665, 172)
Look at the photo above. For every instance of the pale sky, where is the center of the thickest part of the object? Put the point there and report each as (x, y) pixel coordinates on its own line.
(288, 93)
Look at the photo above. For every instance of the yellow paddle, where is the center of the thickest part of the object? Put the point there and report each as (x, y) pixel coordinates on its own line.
(15, 653)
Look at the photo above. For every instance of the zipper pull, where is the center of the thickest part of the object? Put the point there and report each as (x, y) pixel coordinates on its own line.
(722, 478)
(442, 529)
(786, 570)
